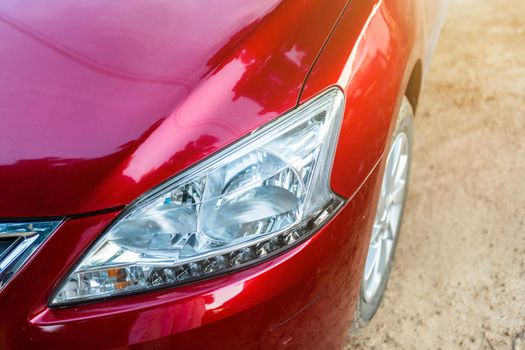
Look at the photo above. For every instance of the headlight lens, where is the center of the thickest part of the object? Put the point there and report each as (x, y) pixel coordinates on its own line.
(250, 201)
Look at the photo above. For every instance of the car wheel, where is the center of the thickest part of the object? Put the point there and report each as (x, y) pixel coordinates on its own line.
(389, 214)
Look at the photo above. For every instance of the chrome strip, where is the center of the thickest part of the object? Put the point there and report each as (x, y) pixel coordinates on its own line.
(26, 238)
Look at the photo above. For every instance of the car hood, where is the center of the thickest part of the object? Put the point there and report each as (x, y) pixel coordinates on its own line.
(100, 101)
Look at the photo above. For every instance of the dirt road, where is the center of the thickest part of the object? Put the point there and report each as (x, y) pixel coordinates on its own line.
(459, 277)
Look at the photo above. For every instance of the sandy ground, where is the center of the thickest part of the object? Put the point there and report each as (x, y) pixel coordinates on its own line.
(459, 277)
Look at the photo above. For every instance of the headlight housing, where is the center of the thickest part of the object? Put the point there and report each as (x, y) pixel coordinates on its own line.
(250, 201)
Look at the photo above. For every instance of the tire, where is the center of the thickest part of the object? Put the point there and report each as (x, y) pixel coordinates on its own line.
(375, 277)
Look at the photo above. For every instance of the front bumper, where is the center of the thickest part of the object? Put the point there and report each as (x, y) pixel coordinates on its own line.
(303, 298)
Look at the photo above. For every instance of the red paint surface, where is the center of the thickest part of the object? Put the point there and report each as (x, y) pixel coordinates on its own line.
(100, 102)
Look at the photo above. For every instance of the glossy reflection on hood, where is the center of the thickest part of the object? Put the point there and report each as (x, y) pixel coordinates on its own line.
(100, 102)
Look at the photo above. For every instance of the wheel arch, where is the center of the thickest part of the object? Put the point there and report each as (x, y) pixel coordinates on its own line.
(413, 88)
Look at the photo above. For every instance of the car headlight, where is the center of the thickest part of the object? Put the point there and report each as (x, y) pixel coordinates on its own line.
(248, 202)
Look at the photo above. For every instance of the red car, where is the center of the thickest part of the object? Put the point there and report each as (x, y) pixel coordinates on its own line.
(203, 175)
